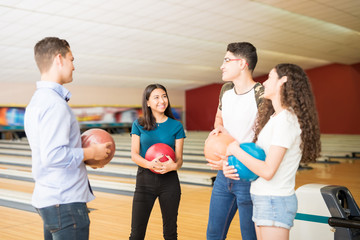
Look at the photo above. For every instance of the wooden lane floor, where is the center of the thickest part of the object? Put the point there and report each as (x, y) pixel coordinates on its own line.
(193, 153)
(332, 145)
(111, 216)
(16, 224)
(123, 171)
(346, 173)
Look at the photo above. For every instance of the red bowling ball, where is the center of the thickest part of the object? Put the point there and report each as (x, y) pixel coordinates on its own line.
(158, 149)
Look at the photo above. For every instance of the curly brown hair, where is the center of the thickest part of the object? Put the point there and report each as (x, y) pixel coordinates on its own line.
(296, 93)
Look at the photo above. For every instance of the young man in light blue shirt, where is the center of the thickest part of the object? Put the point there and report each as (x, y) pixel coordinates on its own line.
(61, 183)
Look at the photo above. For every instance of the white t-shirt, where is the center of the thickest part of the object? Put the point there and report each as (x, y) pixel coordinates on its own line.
(239, 113)
(281, 130)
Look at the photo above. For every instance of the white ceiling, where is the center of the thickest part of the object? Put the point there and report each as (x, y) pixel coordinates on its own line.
(179, 43)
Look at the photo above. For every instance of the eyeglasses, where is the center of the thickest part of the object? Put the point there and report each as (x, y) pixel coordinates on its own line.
(226, 60)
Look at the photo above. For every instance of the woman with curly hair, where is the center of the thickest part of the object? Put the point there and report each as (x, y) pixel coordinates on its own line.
(287, 129)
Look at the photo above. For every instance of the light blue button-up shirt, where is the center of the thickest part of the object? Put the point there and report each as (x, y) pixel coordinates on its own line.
(54, 137)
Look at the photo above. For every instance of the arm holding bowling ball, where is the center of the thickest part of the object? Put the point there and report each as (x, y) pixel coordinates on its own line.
(218, 124)
(98, 147)
(215, 149)
(172, 165)
(216, 164)
(229, 171)
(155, 165)
(265, 169)
(97, 152)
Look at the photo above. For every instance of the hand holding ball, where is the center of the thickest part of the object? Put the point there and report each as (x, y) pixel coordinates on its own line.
(253, 150)
(157, 150)
(217, 144)
(98, 136)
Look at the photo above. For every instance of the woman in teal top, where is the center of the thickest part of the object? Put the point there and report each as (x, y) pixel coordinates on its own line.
(156, 126)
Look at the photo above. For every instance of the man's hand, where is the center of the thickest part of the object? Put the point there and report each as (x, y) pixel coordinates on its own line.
(217, 130)
(216, 164)
(97, 152)
(101, 151)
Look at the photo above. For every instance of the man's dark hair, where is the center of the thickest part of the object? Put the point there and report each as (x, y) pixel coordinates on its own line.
(244, 50)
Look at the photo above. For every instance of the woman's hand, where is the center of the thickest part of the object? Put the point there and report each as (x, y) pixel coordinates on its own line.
(168, 166)
(162, 167)
(230, 171)
(155, 164)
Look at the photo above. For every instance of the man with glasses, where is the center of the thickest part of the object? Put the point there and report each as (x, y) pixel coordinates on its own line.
(236, 114)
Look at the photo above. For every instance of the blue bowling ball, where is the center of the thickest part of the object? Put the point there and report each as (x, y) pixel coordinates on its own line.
(253, 150)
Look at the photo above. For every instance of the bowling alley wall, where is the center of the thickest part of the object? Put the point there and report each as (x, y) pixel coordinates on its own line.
(337, 95)
(336, 88)
(94, 106)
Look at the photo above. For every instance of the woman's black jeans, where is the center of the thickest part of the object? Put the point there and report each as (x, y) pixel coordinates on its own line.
(150, 186)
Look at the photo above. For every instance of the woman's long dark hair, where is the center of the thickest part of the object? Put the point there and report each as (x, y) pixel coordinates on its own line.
(148, 120)
(296, 93)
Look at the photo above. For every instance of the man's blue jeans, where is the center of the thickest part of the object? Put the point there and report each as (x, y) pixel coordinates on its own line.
(227, 196)
(66, 221)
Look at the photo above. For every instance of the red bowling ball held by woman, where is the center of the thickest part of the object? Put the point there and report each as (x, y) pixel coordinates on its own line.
(161, 152)
(157, 140)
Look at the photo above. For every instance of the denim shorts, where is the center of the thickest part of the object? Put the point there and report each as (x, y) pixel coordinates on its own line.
(276, 211)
